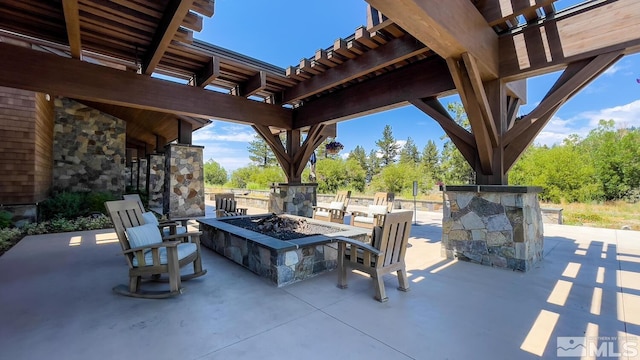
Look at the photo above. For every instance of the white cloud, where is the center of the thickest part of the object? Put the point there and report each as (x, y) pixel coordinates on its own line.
(612, 70)
(401, 143)
(222, 134)
(558, 129)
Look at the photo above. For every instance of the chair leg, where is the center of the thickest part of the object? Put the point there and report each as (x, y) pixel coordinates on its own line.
(174, 270)
(342, 268)
(134, 284)
(402, 280)
(378, 283)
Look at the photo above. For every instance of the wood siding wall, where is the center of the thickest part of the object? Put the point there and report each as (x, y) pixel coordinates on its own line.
(43, 147)
(26, 124)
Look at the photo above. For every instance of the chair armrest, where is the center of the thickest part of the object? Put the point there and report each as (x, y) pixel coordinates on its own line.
(154, 246)
(359, 213)
(179, 236)
(242, 211)
(360, 245)
(321, 208)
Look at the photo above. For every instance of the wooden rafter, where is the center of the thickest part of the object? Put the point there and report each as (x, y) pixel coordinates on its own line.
(209, 73)
(72, 21)
(38, 71)
(478, 124)
(575, 77)
(497, 12)
(462, 139)
(255, 84)
(513, 104)
(172, 18)
(446, 29)
(568, 37)
(480, 96)
(373, 60)
(426, 78)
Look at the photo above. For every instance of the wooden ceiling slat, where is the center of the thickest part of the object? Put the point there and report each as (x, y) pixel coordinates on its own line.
(72, 21)
(149, 10)
(106, 13)
(110, 28)
(113, 11)
(494, 13)
(173, 16)
(321, 57)
(379, 37)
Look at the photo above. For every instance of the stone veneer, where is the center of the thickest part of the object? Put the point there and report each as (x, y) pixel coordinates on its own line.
(155, 181)
(184, 181)
(143, 169)
(499, 226)
(293, 199)
(281, 262)
(88, 149)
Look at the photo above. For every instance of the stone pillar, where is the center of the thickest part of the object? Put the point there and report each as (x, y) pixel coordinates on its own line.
(293, 199)
(143, 170)
(184, 181)
(155, 181)
(493, 225)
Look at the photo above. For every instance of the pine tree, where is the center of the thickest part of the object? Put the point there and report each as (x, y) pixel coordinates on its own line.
(260, 153)
(373, 165)
(359, 155)
(388, 147)
(455, 168)
(431, 160)
(409, 153)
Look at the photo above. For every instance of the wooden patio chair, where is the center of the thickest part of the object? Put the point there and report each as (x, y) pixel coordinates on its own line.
(167, 227)
(148, 254)
(382, 204)
(336, 210)
(226, 205)
(383, 256)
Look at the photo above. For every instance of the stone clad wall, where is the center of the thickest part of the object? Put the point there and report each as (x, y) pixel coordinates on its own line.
(143, 170)
(184, 181)
(502, 229)
(88, 149)
(297, 199)
(156, 181)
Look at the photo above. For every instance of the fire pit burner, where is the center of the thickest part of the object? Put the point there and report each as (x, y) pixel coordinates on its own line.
(283, 228)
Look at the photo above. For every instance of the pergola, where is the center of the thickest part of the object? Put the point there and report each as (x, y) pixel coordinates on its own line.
(103, 52)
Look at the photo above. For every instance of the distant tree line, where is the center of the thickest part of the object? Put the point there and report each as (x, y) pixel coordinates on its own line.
(605, 165)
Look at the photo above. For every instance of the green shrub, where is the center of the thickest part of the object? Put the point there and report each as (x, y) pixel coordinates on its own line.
(70, 205)
(5, 219)
(8, 237)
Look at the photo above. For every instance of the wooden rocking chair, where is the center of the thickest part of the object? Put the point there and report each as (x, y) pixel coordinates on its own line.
(149, 254)
(336, 210)
(383, 256)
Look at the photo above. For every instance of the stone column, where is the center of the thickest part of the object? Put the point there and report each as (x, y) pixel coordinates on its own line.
(293, 199)
(155, 181)
(493, 225)
(184, 181)
(143, 170)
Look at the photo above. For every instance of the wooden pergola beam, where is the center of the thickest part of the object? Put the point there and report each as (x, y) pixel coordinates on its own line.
(273, 140)
(33, 70)
(449, 30)
(209, 73)
(171, 20)
(481, 96)
(385, 55)
(478, 124)
(499, 11)
(462, 139)
(575, 77)
(72, 22)
(254, 84)
(570, 37)
(426, 78)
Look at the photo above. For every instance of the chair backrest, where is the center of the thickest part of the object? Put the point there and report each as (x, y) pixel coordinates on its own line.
(136, 198)
(393, 238)
(224, 196)
(344, 196)
(124, 214)
(384, 198)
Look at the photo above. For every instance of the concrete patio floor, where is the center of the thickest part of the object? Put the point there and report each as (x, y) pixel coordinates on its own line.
(56, 303)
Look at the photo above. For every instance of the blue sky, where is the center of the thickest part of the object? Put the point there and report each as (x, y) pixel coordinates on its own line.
(282, 32)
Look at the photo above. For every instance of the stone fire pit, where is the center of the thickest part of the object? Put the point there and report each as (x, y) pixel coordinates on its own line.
(303, 250)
